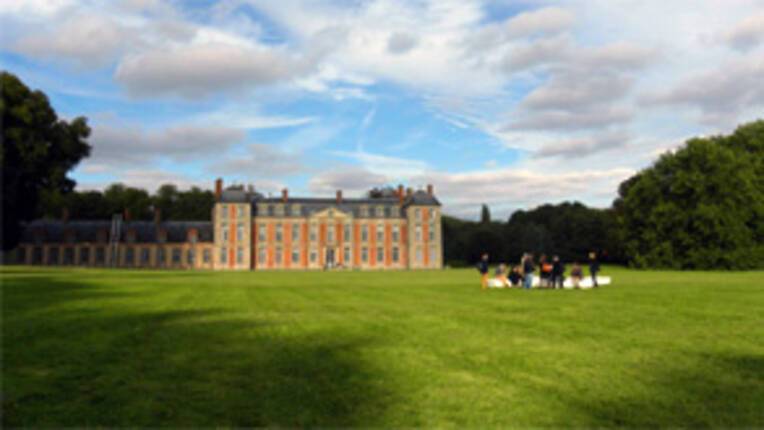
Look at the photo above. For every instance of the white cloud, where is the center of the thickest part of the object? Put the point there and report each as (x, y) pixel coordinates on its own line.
(748, 34)
(261, 161)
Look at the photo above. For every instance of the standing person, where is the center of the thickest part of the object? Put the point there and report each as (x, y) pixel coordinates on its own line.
(528, 269)
(576, 274)
(482, 267)
(557, 271)
(594, 267)
(516, 276)
(545, 272)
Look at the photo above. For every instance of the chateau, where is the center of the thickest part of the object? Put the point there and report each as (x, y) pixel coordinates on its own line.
(249, 231)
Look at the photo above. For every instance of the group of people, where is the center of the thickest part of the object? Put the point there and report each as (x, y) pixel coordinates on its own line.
(551, 272)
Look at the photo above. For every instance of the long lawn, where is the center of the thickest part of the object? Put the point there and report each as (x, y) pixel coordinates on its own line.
(140, 348)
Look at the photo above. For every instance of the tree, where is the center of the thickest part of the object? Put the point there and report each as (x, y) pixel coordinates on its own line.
(485, 214)
(38, 150)
(701, 207)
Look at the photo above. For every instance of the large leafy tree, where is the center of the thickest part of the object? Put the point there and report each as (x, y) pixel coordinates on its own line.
(38, 150)
(700, 207)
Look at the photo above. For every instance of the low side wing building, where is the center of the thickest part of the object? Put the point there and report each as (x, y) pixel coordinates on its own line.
(249, 231)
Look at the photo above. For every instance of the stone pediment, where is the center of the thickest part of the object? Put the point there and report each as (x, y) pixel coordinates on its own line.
(331, 213)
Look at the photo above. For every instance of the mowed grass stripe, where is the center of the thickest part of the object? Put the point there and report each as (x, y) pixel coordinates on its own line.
(143, 348)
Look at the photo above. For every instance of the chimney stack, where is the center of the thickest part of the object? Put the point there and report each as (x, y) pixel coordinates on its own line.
(400, 193)
(284, 195)
(126, 215)
(65, 214)
(429, 189)
(157, 216)
(339, 197)
(218, 189)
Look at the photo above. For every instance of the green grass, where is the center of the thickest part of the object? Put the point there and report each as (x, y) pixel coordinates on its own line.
(138, 348)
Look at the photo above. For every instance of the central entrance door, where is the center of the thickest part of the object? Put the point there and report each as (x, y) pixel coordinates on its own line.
(329, 257)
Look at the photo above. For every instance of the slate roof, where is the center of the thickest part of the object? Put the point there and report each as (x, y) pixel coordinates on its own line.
(55, 231)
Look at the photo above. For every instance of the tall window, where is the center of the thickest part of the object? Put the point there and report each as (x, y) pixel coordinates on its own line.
(176, 256)
(295, 256)
(364, 233)
(330, 233)
(380, 211)
(395, 254)
(240, 211)
(419, 255)
(206, 256)
(364, 254)
(129, 256)
(239, 255)
(68, 255)
(224, 230)
(380, 254)
(396, 233)
(145, 256)
(380, 233)
(224, 255)
(239, 232)
(313, 255)
(418, 233)
(346, 255)
(223, 211)
(363, 211)
(190, 257)
(313, 232)
(160, 256)
(295, 232)
(100, 255)
(278, 255)
(261, 233)
(261, 254)
(85, 255)
(279, 233)
(346, 233)
(433, 255)
(431, 232)
(417, 213)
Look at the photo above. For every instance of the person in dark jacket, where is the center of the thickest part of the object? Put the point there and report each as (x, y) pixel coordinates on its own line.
(482, 267)
(528, 268)
(594, 267)
(545, 272)
(516, 276)
(557, 271)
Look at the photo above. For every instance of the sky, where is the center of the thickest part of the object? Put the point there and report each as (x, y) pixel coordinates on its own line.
(506, 103)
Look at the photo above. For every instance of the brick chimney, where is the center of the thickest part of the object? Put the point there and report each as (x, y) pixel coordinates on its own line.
(339, 197)
(400, 194)
(157, 216)
(218, 189)
(284, 195)
(429, 189)
(65, 214)
(126, 215)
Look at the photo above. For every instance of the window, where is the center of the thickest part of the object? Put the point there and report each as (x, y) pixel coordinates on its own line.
(279, 210)
(176, 256)
(433, 214)
(346, 255)
(387, 212)
(206, 256)
(380, 211)
(261, 233)
(380, 254)
(239, 232)
(223, 254)
(395, 233)
(364, 233)
(37, 255)
(270, 210)
(279, 233)
(224, 232)
(240, 211)
(346, 233)
(364, 211)
(396, 257)
(68, 255)
(433, 255)
(313, 256)
(145, 256)
(419, 255)
(380, 233)
(313, 232)
(417, 213)
(85, 255)
(431, 232)
(100, 255)
(364, 254)
(296, 256)
(239, 255)
(261, 255)
(278, 255)
(161, 259)
(129, 256)
(330, 233)
(295, 232)
(190, 257)
(295, 210)
(53, 255)
(418, 233)
(193, 236)
(223, 211)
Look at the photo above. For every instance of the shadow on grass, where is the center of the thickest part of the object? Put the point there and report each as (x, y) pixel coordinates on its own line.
(726, 390)
(113, 367)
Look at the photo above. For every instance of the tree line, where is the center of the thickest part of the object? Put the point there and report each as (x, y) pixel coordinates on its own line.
(698, 207)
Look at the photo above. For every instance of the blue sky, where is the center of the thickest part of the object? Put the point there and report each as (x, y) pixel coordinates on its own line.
(509, 103)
